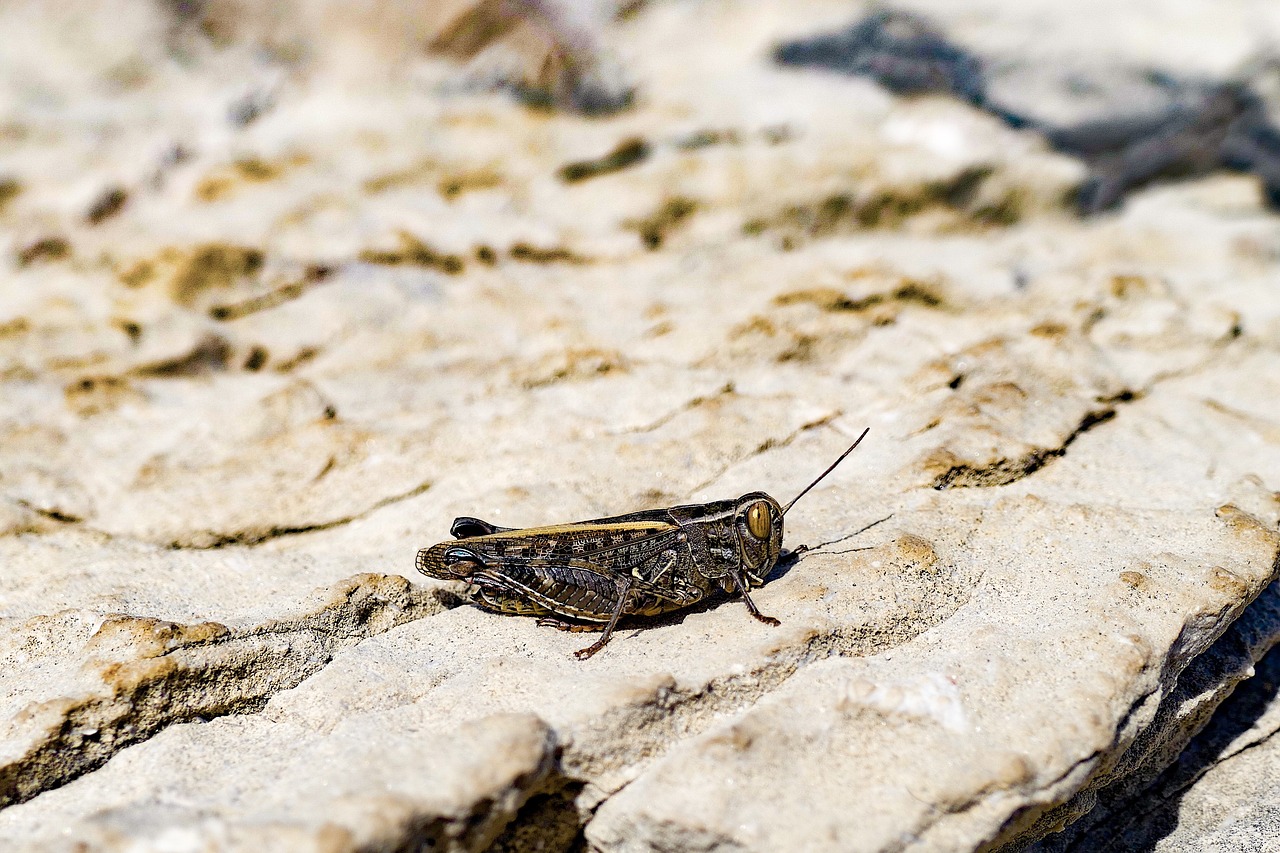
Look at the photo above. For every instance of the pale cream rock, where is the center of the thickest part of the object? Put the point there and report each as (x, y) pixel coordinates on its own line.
(341, 305)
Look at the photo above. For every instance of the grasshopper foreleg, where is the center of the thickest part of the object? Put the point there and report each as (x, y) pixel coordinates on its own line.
(751, 605)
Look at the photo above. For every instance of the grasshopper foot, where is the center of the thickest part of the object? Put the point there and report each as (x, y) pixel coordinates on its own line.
(751, 605)
(583, 654)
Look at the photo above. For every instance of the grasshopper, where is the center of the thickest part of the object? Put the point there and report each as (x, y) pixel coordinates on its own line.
(588, 574)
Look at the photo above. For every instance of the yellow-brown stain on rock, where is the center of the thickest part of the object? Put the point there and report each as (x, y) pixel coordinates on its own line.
(574, 364)
(125, 677)
(210, 354)
(1249, 525)
(1050, 329)
(531, 254)
(452, 186)
(15, 327)
(907, 292)
(939, 462)
(1228, 582)
(627, 153)
(1133, 286)
(423, 171)
(194, 270)
(915, 551)
(414, 252)
(1135, 580)
(9, 190)
(44, 250)
(93, 395)
(147, 637)
(213, 266)
(735, 738)
(670, 215)
(224, 181)
(889, 207)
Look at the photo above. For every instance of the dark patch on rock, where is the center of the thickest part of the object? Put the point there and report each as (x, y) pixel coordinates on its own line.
(213, 266)
(1207, 127)
(670, 215)
(707, 138)
(9, 190)
(303, 356)
(530, 254)
(106, 205)
(44, 250)
(480, 179)
(547, 821)
(414, 252)
(627, 153)
(1002, 472)
(257, 359)
(211, 354)
(900, 51)
(94, 394)
(249, 170)
(829, 299)
(572, 364)
(312, 275)
(889, 207)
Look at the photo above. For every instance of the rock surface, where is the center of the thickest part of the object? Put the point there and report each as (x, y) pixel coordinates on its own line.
(271, 318)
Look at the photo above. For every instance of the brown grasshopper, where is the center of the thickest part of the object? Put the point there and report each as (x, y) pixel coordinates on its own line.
(580, 576)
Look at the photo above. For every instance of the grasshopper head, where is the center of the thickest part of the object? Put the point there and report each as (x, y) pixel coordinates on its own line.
(758, 522)
(449, 561)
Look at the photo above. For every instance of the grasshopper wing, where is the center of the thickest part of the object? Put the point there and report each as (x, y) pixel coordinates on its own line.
(579, 571)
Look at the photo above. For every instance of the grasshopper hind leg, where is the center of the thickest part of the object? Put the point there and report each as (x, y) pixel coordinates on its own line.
(751, 605)
(624, 593)
(572, 627)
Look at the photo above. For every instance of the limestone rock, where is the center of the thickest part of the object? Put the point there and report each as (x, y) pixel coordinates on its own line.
(269, 321)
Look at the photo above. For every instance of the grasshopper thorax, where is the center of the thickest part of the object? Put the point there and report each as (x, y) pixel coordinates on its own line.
(757, 521)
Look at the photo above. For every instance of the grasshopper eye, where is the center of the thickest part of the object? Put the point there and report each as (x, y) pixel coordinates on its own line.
(758, 521)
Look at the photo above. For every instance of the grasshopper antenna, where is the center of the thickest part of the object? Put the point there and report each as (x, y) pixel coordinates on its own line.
(826, 472)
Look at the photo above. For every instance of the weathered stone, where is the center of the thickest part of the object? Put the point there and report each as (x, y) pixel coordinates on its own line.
(343, 305)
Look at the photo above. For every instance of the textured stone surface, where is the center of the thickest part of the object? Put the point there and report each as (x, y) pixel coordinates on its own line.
(270, 319)
(1210, 795)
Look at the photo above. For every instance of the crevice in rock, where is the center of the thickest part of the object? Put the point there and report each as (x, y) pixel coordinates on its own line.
(549, 821)
(668, 417)
(145, 675)
(767, 445)
(1190, 735)
(1002, 472)
(51, 513)
(312, 275)
(1028, 823)
(207, 540)
(482, 823)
